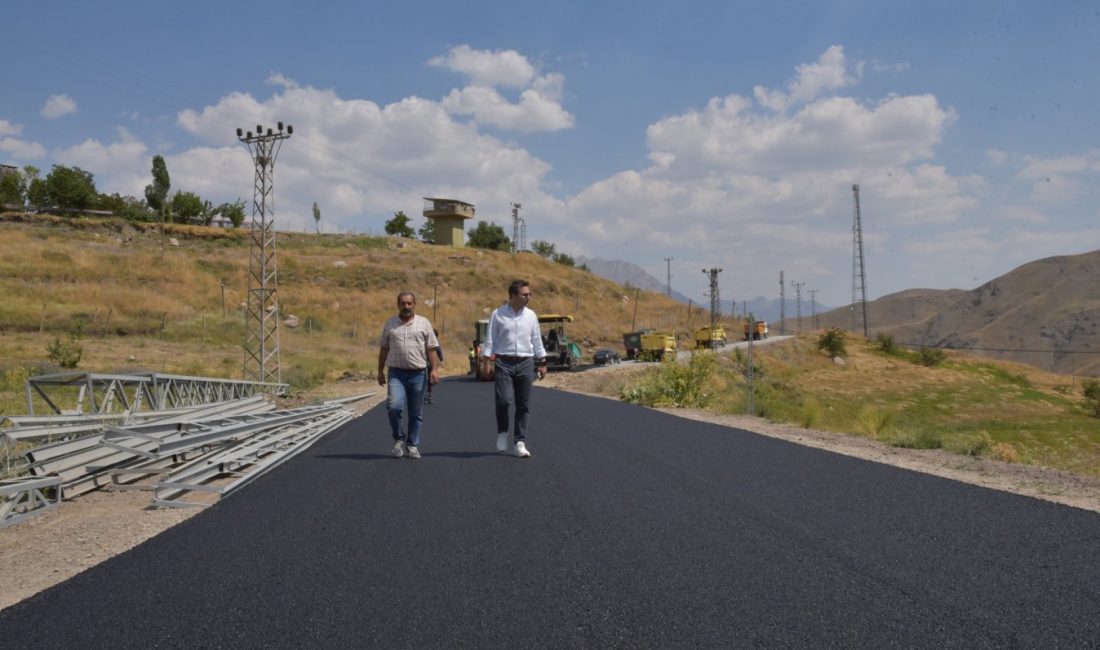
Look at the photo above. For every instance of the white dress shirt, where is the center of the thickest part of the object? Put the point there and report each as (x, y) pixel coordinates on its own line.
(513, 333)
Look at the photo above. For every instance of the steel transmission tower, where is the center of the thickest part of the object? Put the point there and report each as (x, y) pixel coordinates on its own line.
(515, 227)
(261, 347)
(668, 273)
(859, 271)
(798, 303)
(782, 304)
(715, 304)
(813, 306)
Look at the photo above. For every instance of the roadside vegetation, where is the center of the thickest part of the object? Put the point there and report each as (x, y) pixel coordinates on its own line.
(914, 399)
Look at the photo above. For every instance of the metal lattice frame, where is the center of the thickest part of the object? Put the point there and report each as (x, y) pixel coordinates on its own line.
(84, 392)
(261, 348)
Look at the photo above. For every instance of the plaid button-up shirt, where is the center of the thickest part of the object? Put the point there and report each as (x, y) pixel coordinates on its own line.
(408, 343)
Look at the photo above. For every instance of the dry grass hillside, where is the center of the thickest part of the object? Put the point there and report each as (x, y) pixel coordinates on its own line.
(130, 306)
(1045, 313)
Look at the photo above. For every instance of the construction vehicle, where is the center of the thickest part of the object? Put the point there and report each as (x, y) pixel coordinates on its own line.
(561, 353)
(632, 342)
(481, 369)
(710, 337)
(657, 345)
(760, 330)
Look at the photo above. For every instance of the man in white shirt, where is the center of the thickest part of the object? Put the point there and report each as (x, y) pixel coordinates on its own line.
(515, 343)
(409, 348)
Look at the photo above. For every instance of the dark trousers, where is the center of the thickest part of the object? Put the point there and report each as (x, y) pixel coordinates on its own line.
(513, 388)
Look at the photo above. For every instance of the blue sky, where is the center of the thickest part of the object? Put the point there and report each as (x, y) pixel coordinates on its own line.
(716, 133)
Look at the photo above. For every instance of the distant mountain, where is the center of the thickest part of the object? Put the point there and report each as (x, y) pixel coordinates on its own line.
(1045, 313)
(761, 308)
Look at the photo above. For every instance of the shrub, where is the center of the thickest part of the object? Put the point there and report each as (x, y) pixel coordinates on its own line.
(673, 384)
(1004, 451)
(68, 353)
(873, 420)
(930, 357)
(886, 344)
(971, 444)
(832, 342)
(923, 439)
(1091, 389)
(811, 413)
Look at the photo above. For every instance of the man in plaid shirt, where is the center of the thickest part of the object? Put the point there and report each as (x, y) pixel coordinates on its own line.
(407, 347)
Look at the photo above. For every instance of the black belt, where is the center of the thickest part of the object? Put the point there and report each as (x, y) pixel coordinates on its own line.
(411, 369)
(510, 359)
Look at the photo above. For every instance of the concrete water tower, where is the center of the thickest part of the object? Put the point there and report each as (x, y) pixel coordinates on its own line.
(448, 215)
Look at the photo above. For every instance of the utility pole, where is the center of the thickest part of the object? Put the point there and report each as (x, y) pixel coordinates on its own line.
(782, 304)
(668, 282)
(261, 361)
(715, 306)
(859, 271)
(750, 383)
(798, 303)
(515, 227)
(813, 306)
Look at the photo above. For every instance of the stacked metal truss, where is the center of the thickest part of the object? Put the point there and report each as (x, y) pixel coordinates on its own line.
(214, 448)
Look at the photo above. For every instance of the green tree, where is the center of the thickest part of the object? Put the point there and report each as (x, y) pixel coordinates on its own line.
(490, 236)
(317, 216)
(127, 207)
(70, 188)
(156, 194)
(543, 248)
(399, 225)
(232, 211)
(563, 259)
(427, 231)
(832, 342)
(187, 207)
(36, 187)
(13, 188)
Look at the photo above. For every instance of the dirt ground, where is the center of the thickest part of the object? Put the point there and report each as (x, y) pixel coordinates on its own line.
(52, 547)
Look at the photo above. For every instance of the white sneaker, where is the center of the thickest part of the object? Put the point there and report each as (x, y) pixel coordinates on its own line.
(414, 453)
(521, 450)
(502, 441)
(398, 448)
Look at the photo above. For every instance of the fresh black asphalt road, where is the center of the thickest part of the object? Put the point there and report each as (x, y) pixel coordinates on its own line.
(627, 528)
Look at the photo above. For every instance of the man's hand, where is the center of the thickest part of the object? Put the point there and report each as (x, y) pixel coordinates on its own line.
(381, 377)
(433, 376)
(541, 371)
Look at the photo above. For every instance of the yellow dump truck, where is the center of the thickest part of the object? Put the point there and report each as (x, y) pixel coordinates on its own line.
(657, 346)
(710, 337)
(759, 332)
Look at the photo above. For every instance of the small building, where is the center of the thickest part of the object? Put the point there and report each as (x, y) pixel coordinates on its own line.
(7, 169)
(448, 216)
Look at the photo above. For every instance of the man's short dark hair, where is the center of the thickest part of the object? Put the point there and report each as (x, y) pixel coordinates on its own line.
(513, 289)
(406, 293)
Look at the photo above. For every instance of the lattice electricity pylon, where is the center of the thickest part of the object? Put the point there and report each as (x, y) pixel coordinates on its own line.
(515, 227)
(261, 347)
(715, 303)
(859, 271)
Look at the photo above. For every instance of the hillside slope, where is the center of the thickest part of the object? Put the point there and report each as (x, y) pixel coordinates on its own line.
(1045, 313)
(180, 311)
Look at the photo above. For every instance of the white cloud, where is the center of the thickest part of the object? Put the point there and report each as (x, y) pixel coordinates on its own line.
(115, 157)
(538, 107)
(1040, 169)
(21, 149)
(485, 68)
(15, 147)
(57, 106)
(996, 156)
(534, 111)
(827, 74)
(278, 79)
(10, 128)
(353, 156)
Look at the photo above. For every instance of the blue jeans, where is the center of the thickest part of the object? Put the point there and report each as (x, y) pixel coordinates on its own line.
(513, 387)
(405, 392)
